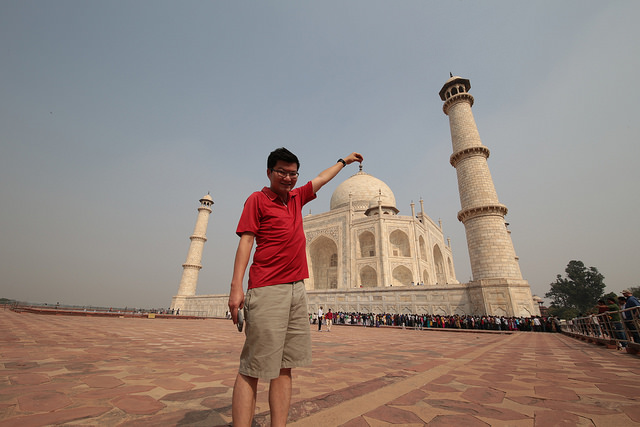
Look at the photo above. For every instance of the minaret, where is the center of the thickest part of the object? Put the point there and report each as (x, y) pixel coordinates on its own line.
(493, 259)
(490, 248)
(192, 266)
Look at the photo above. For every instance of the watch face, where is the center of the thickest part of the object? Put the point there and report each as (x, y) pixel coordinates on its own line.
(240, 323)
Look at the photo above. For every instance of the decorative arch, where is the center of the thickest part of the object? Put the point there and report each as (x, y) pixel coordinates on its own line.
(450, 264)
(322, 252)
(399, 244)
(423, 248)
(523, 309)
(402, 276)
(425, 276)
(499, 311)
(368, 277)
(441, 277)
(439, 311)
(367, 244)
(459, 311)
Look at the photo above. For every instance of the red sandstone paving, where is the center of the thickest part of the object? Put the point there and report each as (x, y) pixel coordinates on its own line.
(410, 398)
(157, 372)
(173, 384)
(102, 381)
(394, 415)
(138, 405)
(483, 395)
(559, 418)
(436, 388)
(43, 401)
(456, 421)
(556, 393)
(356, 422)
(53, 418)
(633, 412)
(109, 393)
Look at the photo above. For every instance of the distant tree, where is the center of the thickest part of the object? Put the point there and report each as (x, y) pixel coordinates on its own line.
(579, 291)
(562, 312)
(610, 295)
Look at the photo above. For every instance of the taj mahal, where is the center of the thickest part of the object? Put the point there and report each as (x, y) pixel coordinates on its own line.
(365, 257)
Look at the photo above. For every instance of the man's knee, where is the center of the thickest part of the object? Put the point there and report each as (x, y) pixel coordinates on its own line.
(250, 381)
(285, 372)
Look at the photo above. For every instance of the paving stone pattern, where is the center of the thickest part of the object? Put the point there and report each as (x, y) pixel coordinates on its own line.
(164, 372)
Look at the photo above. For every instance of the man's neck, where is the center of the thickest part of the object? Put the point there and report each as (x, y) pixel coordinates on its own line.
(284, 198)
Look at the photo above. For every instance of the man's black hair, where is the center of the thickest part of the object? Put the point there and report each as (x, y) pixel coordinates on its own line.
(281, 154)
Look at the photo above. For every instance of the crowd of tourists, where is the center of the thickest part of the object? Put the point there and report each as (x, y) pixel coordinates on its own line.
(455, 321)
(615, 319)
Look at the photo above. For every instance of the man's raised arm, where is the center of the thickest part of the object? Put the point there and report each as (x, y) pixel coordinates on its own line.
(329, 173)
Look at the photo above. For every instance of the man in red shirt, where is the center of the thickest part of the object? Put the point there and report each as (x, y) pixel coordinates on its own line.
(277, 331)
(329, 318)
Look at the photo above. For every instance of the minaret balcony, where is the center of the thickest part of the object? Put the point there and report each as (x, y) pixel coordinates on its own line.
(468, 152)
(460, 97)
(192, 266)
(496, 210)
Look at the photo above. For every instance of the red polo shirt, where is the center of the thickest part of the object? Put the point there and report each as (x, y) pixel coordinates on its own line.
(280, 255)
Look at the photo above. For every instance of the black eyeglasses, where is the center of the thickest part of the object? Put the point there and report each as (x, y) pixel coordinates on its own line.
(282, 174)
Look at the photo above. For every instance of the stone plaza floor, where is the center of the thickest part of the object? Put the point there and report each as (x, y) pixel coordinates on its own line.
(93, 371)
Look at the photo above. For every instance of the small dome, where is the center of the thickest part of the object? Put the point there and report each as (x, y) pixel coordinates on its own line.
(207, 198)
(364, 189)
(454, 80)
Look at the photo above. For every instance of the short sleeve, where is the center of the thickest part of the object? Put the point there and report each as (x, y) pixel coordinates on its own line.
(250, 218)
(307, 194)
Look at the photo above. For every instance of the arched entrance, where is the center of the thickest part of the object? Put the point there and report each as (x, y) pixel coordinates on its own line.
(323, 253)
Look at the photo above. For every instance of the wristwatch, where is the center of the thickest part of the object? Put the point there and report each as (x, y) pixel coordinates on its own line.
(342, 161)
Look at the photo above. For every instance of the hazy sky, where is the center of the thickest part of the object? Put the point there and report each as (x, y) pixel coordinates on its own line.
(116, 117)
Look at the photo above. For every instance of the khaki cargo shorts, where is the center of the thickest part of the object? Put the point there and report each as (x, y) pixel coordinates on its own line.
(277, 330)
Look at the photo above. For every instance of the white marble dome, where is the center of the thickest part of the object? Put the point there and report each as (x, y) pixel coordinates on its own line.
(364, 189)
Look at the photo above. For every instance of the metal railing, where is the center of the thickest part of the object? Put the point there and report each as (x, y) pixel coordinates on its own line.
(620, 328)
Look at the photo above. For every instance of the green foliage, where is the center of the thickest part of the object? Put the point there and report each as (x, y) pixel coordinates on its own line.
(562, 312)
(610, 295)
(579, 291)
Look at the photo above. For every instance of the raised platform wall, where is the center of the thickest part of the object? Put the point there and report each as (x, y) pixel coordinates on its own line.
(499, 297)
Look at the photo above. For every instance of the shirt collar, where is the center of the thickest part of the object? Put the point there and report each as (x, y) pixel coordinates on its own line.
(273, 196)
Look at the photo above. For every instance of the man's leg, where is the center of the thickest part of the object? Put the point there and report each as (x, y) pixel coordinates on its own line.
(632, 330)
(620, 335)
(280, 397)
(244, 400)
